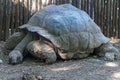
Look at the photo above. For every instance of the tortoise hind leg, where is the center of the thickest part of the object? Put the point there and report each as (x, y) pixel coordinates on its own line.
(42, 50)
(108, 52)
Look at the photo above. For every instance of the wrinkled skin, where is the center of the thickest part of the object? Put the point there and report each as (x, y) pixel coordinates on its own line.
(15, 57)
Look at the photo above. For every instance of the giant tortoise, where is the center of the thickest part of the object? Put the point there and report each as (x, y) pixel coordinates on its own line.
(59, 31)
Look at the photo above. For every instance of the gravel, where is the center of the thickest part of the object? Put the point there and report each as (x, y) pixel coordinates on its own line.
(85, 69)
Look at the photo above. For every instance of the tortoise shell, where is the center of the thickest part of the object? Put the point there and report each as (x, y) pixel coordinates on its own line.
(67, 27)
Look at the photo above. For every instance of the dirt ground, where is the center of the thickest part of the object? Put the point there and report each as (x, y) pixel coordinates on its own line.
(85, 69)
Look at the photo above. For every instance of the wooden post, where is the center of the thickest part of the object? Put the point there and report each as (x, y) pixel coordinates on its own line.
(30, 7)
(76, 3)
(8, 15)
(91, 9)
(114, 18)
(17, 14)
(1, 18)
(119, 18)
(98, 12)
(94, 3)
(88, 7)
(12, 16)
(26, 11)
(108, 17)
(116, 21)
(21, 6)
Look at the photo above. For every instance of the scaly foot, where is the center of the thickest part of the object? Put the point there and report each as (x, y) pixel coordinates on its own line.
(15, 57)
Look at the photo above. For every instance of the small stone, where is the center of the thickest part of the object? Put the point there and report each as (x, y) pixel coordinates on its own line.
(39, 77)
(109, 56)
(29, 76)
(1, 61)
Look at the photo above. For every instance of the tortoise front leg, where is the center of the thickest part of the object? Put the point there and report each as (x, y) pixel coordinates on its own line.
(16, 55)
(12, 41)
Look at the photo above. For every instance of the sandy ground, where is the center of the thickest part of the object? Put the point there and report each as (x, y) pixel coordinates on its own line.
(85, 69)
